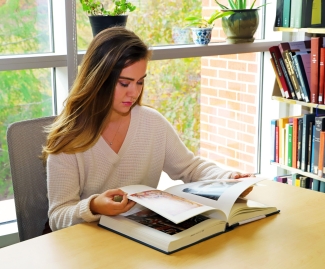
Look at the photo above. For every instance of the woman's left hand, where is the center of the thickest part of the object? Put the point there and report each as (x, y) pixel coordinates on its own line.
(237, 175)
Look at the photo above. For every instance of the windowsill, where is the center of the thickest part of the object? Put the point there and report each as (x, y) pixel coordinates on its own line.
(8, 224)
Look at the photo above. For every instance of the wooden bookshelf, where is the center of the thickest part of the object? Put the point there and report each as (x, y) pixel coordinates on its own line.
(296, 102)
(298, 171)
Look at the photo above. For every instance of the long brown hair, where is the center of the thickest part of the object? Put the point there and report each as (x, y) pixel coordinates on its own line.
(88, 105)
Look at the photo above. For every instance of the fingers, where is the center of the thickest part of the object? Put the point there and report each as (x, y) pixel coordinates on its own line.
(237, 175)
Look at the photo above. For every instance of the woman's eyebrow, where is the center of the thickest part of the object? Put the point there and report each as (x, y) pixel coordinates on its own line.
(132, 79)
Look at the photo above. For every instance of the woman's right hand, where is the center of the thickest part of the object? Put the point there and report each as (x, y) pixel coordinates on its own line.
(104, 204)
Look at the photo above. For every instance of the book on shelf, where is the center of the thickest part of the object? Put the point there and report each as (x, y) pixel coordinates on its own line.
(321, 153)
(186, 214)
(312, 149)
(316, 44)
(299, 142)
(301, 45)
(279, 14)
(277, 144)
(277, 78)
(295, 122)
(302, 64)
(277, 57)
(288, 152)
(286, 13)
(315, 12)
(282, 123)
(322, 186)
(308, 122)
(315, 186)
(319, 126)
(273, 140)
(321, 82)
(296, 14)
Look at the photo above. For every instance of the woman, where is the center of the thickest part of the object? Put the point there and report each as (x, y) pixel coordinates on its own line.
(104, 139)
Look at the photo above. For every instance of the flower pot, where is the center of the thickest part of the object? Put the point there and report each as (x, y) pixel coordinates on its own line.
(181, 35)
(241, 26)
(201, 36)
(99, 23)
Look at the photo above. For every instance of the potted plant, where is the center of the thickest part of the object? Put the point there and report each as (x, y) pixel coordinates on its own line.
(202, 27)
(241, 25)
(102, 17)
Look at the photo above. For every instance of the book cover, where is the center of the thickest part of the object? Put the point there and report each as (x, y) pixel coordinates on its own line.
(308, 122)
(273, 141)
(279, 13)
(276, 56)
(277, 144)
(316, 13)
(185, 214)
(319, 126)
(316, 43)
(288, 161)
(277, 78)
(287, 79)
(302, 63)
(286, 13)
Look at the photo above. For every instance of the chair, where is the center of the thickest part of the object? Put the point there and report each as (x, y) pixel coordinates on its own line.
(25, 140)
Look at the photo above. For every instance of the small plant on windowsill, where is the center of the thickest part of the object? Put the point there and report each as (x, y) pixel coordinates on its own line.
(100, 17)
(117, 7)
(202, 27)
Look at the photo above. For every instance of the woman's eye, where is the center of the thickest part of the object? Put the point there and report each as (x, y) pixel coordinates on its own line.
(124, 84)
(140, 82)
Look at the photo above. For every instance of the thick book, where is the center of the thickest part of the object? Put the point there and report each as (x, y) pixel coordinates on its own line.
(308, 122)
(185, 214)
(286, 13)
(316, 44)
(299, 147)
(296, 13)
(321, 83)
(276, 56)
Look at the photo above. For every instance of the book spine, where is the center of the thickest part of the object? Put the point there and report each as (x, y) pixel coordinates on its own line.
(272, 144)
(311, 155)
(276, 55)
(287, 58)
(277, 144)
(319, 125)
(277, 78)
(321, 153)
(282, 123)
(286, 13)
(294, 142)
(322, 186)
(279, 14)
(308, 122)
(321, 76)
(287, 79)
(299, 146)
(289, 130)
(295, 14)
(315, 186)
(314, 75)
(302, 78)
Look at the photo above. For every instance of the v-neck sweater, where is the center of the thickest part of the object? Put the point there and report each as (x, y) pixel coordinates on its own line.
(151, 146)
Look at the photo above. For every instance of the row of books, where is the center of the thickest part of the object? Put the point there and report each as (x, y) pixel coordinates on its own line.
(300, 13)
(301, 181)
(300, 70)
(299, 142)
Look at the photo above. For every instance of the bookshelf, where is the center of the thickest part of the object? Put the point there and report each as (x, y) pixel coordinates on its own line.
(306, 107)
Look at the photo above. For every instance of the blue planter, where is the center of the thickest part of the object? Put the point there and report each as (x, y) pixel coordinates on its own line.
(201, 36)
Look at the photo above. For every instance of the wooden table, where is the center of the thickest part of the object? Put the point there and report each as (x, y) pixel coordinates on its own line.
(295, 238)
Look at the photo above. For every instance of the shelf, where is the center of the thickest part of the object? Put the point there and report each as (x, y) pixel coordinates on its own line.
(304, 30)
(296, 102)
(298, 171)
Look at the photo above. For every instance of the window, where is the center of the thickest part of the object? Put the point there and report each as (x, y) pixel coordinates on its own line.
(37, 67)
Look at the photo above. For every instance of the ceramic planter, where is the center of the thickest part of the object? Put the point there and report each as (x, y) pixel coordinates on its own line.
(181, 35)
(201, 36)
(99, 23)
(241, 26)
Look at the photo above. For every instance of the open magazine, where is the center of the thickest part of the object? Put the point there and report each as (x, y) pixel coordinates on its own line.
(186, 214)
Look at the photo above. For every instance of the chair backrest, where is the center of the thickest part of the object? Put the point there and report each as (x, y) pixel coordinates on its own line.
(25, 140)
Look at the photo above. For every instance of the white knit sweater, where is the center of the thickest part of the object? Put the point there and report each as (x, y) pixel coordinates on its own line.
(150, 147)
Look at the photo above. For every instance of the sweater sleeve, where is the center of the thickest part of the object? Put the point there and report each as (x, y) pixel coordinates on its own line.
(64, 191)
(180, 162)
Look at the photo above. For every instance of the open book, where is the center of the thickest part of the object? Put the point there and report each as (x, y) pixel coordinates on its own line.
(185, 214)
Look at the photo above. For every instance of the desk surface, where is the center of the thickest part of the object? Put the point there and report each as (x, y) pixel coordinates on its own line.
(295, 238)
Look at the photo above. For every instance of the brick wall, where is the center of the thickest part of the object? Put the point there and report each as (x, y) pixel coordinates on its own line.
(229, 104)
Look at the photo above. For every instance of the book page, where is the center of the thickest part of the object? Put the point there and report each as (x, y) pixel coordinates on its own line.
(219, 194)
(170, 206)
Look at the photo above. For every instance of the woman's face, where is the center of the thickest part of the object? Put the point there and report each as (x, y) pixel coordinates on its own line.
(129, 87)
